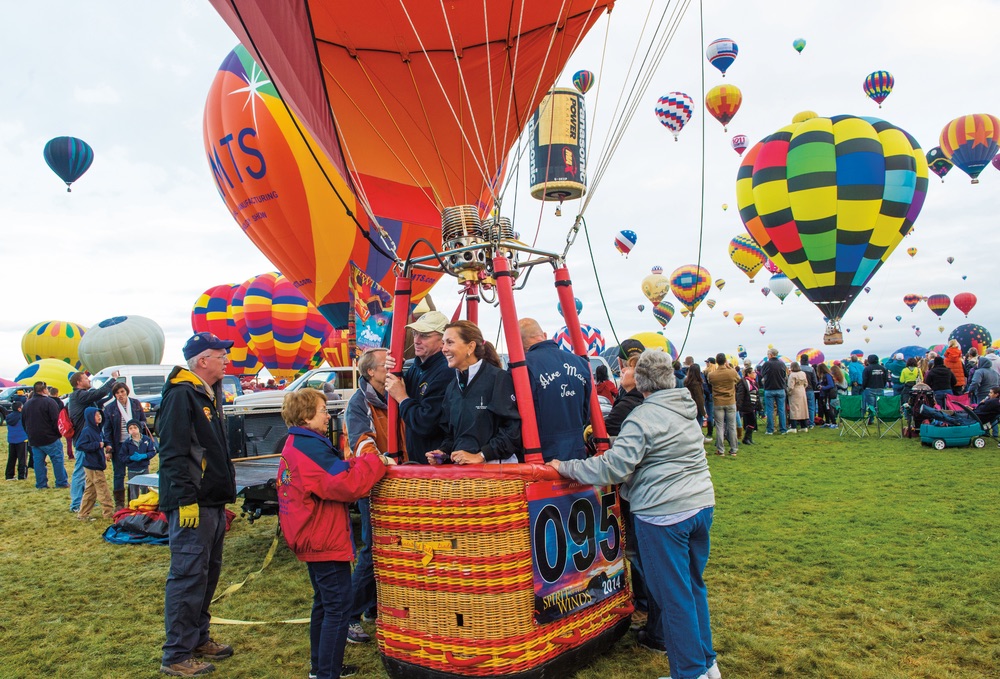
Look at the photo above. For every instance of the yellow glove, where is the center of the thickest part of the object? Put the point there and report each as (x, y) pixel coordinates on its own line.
(189, 515)
(588, 431)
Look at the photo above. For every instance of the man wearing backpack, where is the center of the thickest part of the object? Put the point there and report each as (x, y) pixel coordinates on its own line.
(83, 397)
(39, 416)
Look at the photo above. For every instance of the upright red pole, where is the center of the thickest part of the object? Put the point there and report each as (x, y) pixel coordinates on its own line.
(518, 368)
(564, 287)
(400, 315)
(472, 302)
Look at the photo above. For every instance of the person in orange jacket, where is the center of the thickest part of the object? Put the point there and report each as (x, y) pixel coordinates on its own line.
(953, 361)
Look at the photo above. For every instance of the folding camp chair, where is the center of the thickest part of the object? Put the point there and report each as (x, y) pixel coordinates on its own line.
(952, 402)
(889, 416)
(853, 417)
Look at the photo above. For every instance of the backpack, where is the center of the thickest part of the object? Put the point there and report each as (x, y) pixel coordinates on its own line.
(64, 424)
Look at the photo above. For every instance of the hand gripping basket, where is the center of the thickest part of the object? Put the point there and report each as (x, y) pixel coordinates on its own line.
(495, 570)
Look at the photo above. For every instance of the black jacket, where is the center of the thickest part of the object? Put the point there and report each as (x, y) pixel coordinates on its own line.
(426, 382)
(875, 376)
(113, 421)
(773, 375)
(745, 402)
(40, 416)
(624, 405)
(483, 417)
(81, 399)
(560, 388)
(194, 452)
(90, 442)
(940, 378)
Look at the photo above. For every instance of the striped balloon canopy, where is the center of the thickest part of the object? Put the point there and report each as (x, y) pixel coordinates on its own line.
(878, 86)
(281, 327)
(674, 110)
(747, 255)
(829, 199)
(939, 304)
(625, 241)
(722, 53)
(583, 81)
(68, 157)
(212, 312)
(970, 142)
(663, 312)
(912, 300)
(690, 284)
(814, 356)
(591, 335)
(54, 339)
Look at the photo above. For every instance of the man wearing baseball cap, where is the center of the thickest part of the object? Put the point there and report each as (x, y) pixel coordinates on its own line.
(420, 393)
(197, 480)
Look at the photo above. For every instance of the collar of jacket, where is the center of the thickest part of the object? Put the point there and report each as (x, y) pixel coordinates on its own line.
(302, 431)
(375, 399)
(184, 376)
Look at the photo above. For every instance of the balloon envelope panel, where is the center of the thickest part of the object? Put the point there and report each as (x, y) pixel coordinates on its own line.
(122, 340)
(54, 339)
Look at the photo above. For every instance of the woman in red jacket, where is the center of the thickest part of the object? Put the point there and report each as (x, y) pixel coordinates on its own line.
(953, 361)
(314, 488)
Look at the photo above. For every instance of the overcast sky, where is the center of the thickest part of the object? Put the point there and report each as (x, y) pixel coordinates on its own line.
(145, 232)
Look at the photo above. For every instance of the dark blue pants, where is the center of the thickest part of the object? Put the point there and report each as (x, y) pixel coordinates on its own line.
(331, 581)
(363, 578)
(635, 562)
(195, 562)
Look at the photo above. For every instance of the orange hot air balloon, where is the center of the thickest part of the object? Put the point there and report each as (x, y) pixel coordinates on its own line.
(723, 101)
(738, 317)
(337, 350)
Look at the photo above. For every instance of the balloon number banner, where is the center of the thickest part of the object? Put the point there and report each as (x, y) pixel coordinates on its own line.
(576, 541)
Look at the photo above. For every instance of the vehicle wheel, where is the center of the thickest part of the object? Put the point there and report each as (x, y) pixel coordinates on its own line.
(939, 444)
(979, 442)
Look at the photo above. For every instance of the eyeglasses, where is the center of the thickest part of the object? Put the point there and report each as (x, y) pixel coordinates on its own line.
(224, 357)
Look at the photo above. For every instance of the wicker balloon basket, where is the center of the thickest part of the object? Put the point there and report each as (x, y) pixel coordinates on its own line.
(496, 570)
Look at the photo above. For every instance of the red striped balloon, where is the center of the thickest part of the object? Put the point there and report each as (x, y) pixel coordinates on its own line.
(212, 313)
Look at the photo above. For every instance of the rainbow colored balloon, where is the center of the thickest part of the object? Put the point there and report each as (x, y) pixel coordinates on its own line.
(583, 81)
(657, 342)
(815, 355)
(674, 110)
(281, 327)
(939, 304)
(970, 142)
(337, 350)
(710, 303)
(878, 86)
(663, 312)
(747, 255)
(212, 312)
(53, 339)
(723, 102)
(290, 204)
(690, 284)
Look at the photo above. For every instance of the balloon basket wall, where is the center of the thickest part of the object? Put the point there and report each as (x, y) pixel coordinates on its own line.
(833, 337)
(495, 570)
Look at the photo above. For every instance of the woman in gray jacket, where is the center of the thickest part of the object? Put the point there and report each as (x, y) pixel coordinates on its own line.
(659, 460)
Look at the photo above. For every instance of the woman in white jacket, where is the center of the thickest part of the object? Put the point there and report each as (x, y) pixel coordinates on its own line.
(659, 460)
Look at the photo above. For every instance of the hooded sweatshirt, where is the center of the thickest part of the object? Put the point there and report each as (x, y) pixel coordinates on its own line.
(91, 441)
(658, 457)
(144, 446)
(983, 379)
(15, 430)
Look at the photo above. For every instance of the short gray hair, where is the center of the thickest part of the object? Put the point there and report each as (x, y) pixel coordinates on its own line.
(654, 371)
(368, 360)
(772, 352)
(192, 362)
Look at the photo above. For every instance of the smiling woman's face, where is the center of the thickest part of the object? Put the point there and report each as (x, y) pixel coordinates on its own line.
(459, 354)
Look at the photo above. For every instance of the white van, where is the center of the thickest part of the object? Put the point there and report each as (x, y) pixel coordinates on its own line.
(145, 382)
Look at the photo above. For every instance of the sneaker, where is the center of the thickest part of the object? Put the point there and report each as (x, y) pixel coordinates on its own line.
(768, 433)
(213, 650)
(187, 668)
(643, 639)
(313, 675)
(356, 634)
(732, 453)
(709, 439)
(790, 431)
(720, 452)
(713, 671)
(348, 670)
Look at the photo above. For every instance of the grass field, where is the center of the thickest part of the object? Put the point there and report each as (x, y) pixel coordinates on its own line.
(830, 558)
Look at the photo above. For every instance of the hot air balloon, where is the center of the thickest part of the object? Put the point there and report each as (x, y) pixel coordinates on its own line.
(950, 260)
(68, 157)
(657, 342)
(723, 102)
(867, 340)
(591, 335)
(54, 339)
(871, 318)
(738, 317)
(655, 285)
(912, 300)
(939, 304)
(912, 252)
(674, 110)
(576, 302)
(868, 288)
(663, 312)
(52, 371)
(781, 286)
(899, 318)
(641, 307)
(972, 336)
(690, 284)
(685, 312)
(710, 303)
(798, 45)
(725, 206)
(625, 241)
(722, 53)
(122, 340)
(740, 144)
(940, 328)
(288, 201)
(337, 350)
(212, 313)
(765, 291)
(746, 255)
(917, 332)
(817, 196)
(281, 327)
(798, 293)
(583, 81)
(938, 162)
(725, 314)
(864, 326)
(878, 86)
(970, 142)
(762, 329)
(720, 283)
(771, 266)
(815, 355)
(965, 301)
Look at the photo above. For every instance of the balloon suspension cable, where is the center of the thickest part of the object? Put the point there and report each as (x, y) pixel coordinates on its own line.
(600, 290)
(347, 210)
(701, 221)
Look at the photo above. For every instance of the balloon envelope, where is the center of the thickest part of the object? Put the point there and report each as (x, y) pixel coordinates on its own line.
(656, 342)
(68, 157)
(740, 143)
(972, 336)
(625, 241)
(747, 255)
(212, 312)
(674, 110)
(878, 86)
(122, 340)
(690, 284)
(722, 53)
(938, 162)
(965, 301)
(583, 81)
(798, 45)
(54, 339)
(655, 285)
(939, 304)
(723, 102)
(780, 286)
(970, 142)
(52, 371)
(663, 312)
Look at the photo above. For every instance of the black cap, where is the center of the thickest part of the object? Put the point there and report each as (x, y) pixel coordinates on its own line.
(202, 341)
(630, 348)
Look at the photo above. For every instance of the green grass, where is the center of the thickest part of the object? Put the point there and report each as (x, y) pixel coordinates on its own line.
(831, 558)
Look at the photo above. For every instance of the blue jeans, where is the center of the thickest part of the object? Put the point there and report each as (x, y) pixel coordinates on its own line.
(955, 420)
(639, 593)
(725, 428)
(363, 578)
(195, 562)
(939, 395)
(870, 397)
(811, 400)
(773, 397)
(674, 558)
(76, 484)
(331, 581)
(54, 451)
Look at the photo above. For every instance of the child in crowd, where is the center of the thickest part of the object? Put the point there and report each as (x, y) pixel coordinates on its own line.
(135, 452)
(17, 445)
(90, 443)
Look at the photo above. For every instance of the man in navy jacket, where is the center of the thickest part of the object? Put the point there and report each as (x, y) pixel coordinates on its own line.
(560, 387)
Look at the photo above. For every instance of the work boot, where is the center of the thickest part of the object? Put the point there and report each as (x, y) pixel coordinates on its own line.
(213, 650)
(119, 499)
(187, 668)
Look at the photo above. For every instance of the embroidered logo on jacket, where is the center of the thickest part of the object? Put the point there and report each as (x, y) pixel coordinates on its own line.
(208, 413)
